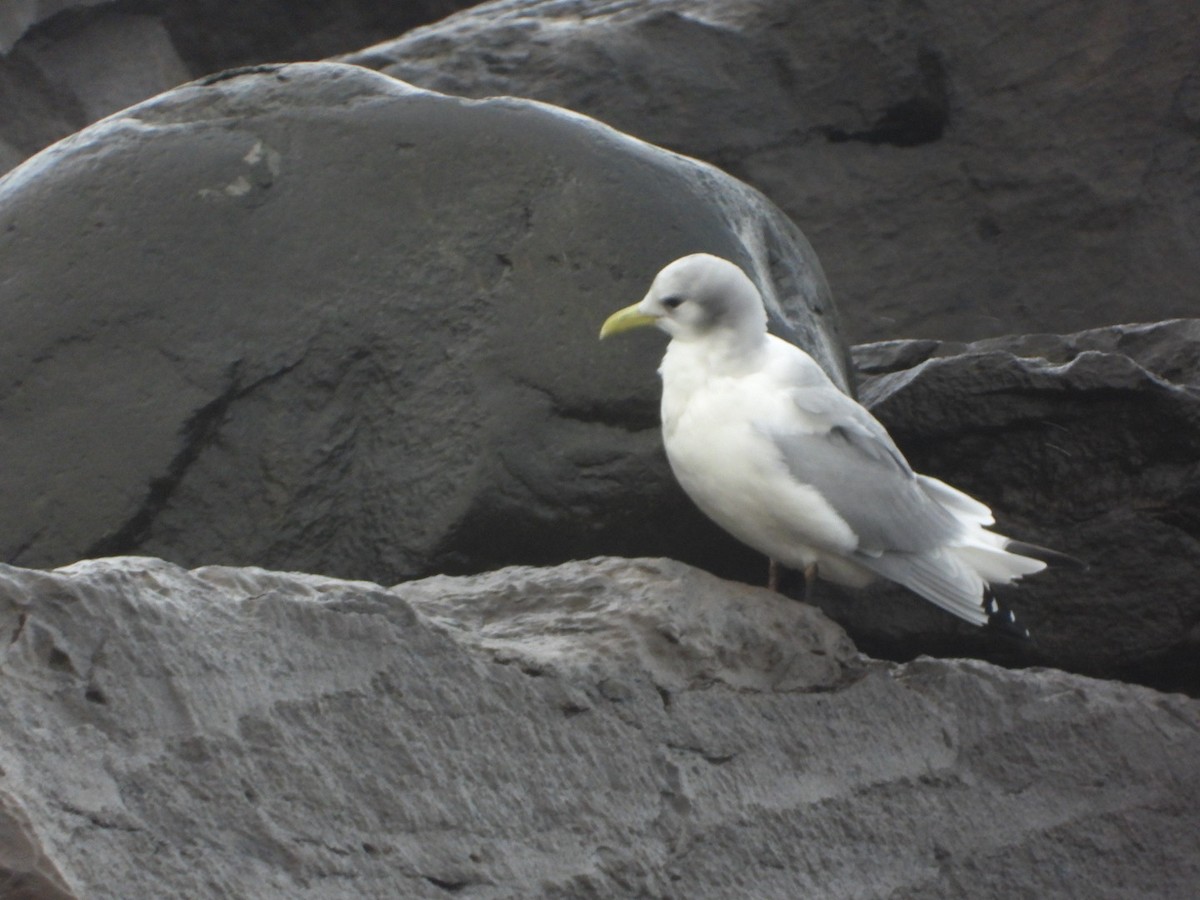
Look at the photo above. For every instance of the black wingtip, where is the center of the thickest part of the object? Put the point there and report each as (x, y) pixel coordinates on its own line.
(1001, 619)
(1045, 554)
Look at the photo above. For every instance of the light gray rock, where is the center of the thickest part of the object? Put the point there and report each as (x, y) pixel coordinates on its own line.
(607, 728)
(1088, 443)
(963, 173)
(682, 628)
(312, 318)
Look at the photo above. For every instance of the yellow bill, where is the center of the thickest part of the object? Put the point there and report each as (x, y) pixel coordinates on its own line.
(624, 320)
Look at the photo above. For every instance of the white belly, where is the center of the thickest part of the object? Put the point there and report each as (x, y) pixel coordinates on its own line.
(736, 475)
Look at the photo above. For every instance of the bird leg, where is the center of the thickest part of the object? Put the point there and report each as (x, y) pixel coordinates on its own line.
(810, 581)
(772, 575)
(810, 578)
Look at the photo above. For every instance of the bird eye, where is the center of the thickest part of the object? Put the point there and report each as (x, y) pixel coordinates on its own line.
(672, 302)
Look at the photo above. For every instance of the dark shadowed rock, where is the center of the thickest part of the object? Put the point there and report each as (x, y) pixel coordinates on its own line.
(1088, 443)
(604, 729)
(311, 318)
(1007, 168)
(66, 63)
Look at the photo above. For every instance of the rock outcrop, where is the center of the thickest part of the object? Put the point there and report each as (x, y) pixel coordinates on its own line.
(1088, 443)
(605, 728)
(962, 173)
(312, 318)
(66, 63)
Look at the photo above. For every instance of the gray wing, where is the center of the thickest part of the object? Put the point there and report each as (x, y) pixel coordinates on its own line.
(861, 473)
(859, 426)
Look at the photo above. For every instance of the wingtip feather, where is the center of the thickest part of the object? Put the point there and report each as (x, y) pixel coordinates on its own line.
(1001, 619)
(1045, 554)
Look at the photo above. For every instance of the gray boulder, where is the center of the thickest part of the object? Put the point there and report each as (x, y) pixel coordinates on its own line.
(608, 728)
(311, 318)
(66, 63)
(963, 173)
(1088, 443)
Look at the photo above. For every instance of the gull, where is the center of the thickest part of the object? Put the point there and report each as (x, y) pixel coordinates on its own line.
(769, 448)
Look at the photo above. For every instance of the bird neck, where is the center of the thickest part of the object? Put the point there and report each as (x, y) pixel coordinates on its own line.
(720, 353)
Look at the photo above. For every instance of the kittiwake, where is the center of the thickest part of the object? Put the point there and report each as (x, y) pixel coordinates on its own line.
(772, 451)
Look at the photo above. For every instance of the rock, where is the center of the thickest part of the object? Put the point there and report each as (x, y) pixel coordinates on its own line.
(681, 627)
(606, 728)
(311, 318)
(67, 63)
(1088, 443)
(1025, 167)
(113, 63)
(18, 16)
(1169, 349)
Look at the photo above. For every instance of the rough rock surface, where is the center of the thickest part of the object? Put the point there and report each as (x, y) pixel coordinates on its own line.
(963, 173)
(1088, 443)
(66, 63)
(607, 728)
(312, 318)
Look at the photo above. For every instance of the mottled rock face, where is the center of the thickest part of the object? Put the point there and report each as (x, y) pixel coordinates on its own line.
(1088, 443)
(312, 318)
(1022, 167)
(604, 728)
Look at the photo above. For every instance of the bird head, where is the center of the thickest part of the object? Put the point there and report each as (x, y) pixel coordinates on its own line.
(692, 297)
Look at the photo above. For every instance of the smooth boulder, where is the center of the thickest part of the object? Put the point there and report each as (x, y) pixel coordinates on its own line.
(309, 317)
(963, 173)
(66, 63)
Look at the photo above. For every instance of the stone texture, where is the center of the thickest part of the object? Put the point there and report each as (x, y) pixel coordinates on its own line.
(311, 318)
(66, 63)
(607, 728)
(963, 172)
(18, 16)
(1088, 443)
(112, 64)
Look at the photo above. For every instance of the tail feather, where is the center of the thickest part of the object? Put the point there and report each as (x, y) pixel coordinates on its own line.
(958, 578)
(966, 508)
(939, 577)
(997, 565)
(1045, 554)
(958, 575)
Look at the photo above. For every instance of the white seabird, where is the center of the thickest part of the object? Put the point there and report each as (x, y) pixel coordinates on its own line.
(772, 451)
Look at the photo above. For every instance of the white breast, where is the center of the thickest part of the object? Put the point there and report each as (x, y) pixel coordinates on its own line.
(731, 468)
